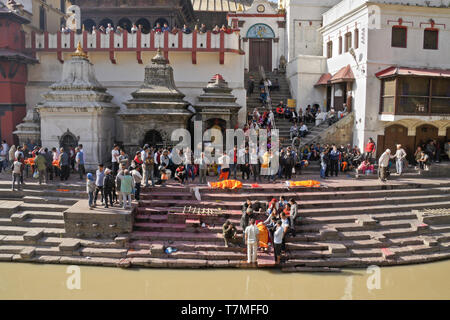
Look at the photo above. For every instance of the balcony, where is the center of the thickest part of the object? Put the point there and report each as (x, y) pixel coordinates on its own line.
(135, 42)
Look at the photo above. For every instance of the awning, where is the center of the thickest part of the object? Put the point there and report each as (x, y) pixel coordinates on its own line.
(403, 71)
(345, 74)
(7, 54)
(323, 80)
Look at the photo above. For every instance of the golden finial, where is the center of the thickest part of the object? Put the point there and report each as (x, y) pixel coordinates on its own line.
(240, 9)
(79, 52)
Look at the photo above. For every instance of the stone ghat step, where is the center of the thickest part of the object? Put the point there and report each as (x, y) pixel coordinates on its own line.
(14, 230)
(184, 245)
(336, 195)
(374, 209)
(280, 190)
(72, 260)
(344, 227)
(50, 200)
(167, 195)
(22, 215)
(72, 196)
(43, 207)
(56, 241)
(33, 222)
(6, 185)
(349, 219)
(305, 205)
(176, 236)
(55, 251)
(198, 254)
(366, 261)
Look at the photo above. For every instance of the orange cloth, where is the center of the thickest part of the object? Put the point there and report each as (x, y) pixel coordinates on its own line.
(224, 175)
(29, 161)
(227, 184)
(344, 166)
(55, 163)
(263, 235)
(307, 183)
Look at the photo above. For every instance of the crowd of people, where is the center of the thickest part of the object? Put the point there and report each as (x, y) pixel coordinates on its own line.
(264, 224)
(158, 28)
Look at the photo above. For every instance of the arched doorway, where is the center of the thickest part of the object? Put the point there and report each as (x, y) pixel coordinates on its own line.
(68, 141)
(398, 134)
(145, 25)
(161, 22)
(425, 133)
(153, 138)
(88, 24)
(260, 37)
(125, 24)
(105, 22)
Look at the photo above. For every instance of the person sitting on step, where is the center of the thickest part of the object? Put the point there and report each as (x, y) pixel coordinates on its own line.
(229, 232)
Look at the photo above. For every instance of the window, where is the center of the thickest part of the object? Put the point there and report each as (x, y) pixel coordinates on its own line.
(356, 45)
(340, 45)
(42, 18)
(348, 41)
(330, 49)
(430, 39)
(388, 95)
(399, 35)
(415, 95)
(62, 5)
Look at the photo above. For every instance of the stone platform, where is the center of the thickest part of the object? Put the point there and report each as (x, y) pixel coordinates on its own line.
(81, 222)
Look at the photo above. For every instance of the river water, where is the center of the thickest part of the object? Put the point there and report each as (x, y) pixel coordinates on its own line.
(39, 281)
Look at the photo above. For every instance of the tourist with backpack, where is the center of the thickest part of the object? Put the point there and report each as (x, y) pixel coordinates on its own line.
(108, 187)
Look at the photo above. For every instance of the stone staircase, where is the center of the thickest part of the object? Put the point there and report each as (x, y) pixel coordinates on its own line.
(276, 96)
(353, 225)
(32, 228)
(340, 226)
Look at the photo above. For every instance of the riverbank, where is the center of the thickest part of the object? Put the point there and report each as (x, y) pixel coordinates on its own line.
(38, 281)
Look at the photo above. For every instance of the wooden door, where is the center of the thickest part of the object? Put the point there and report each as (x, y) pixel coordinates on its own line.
(425, 133)
(398, 134)
(260, 54)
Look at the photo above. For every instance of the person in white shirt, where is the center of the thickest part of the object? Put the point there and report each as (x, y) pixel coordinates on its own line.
(252, 240)
(109, 28)
(115, 153)
(134, 29)
(383, 164)
(224, 162)
(303, 130)
(400, 156)
(278, 236)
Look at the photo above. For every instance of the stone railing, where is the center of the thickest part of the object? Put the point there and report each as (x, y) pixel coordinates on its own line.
(113, 42)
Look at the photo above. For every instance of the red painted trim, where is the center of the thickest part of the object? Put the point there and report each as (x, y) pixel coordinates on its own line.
(180, 39)
(194, 47)
(406, 37)
(138, 46)
(149, 49)
(33, 43)
(208, 40)
(152, 40)
(85, 43)
(432, 25)
(98, 44)
(72, 40)
(58, 46)
(432, 29)
(252, 15)
(222, 48)
(166, 45)
(111, 48)
(125, 40)
(45, 40)
(399, 22)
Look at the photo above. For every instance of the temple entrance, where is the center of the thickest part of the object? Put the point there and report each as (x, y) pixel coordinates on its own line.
(153, 138)
(426, 132)
(398, 134)
(260, 53)
(68, 142)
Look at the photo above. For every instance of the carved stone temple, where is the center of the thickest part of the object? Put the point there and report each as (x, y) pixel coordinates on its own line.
(156, 109)
(78, 109)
